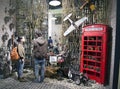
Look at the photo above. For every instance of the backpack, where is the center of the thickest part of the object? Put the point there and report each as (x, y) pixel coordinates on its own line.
(14, 54)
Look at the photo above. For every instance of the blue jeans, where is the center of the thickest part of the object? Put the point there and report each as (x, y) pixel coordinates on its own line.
(39, 69)
(20, 66)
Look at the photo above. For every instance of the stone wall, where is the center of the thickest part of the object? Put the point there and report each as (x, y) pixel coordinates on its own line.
(6, 19)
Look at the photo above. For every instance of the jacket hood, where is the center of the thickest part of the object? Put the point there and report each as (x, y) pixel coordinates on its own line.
(40, 40)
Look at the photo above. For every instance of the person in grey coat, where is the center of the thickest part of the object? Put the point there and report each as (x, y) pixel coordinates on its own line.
(40, 53)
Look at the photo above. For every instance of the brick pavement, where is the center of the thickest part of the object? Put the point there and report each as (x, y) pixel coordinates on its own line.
(11, 83)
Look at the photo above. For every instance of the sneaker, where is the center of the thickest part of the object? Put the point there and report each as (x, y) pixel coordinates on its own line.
(41, 82)
(22, 79)
(35, 81)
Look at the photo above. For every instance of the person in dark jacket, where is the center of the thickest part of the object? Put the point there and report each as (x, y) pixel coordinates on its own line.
(50, 42)
(40, 53)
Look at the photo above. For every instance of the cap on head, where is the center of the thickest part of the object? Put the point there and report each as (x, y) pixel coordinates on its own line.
(21, 39)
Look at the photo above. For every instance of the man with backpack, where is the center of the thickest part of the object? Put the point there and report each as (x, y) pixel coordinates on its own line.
(40, 53)
(21, 60)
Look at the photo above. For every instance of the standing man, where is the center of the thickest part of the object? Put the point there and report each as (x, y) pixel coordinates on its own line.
(40, 53)
(50, 42)
(21, 61)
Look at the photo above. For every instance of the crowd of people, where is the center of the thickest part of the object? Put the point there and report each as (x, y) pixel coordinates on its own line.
(41, 50)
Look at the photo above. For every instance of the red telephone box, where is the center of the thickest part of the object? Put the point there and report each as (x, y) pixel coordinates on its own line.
(94, 52)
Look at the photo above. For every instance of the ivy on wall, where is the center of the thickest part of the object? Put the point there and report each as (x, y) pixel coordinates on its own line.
(95, 10)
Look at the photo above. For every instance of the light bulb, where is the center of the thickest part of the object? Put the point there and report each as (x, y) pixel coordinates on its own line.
(54, 3)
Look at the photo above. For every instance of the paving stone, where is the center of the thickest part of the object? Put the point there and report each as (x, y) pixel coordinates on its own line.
(12, 83)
